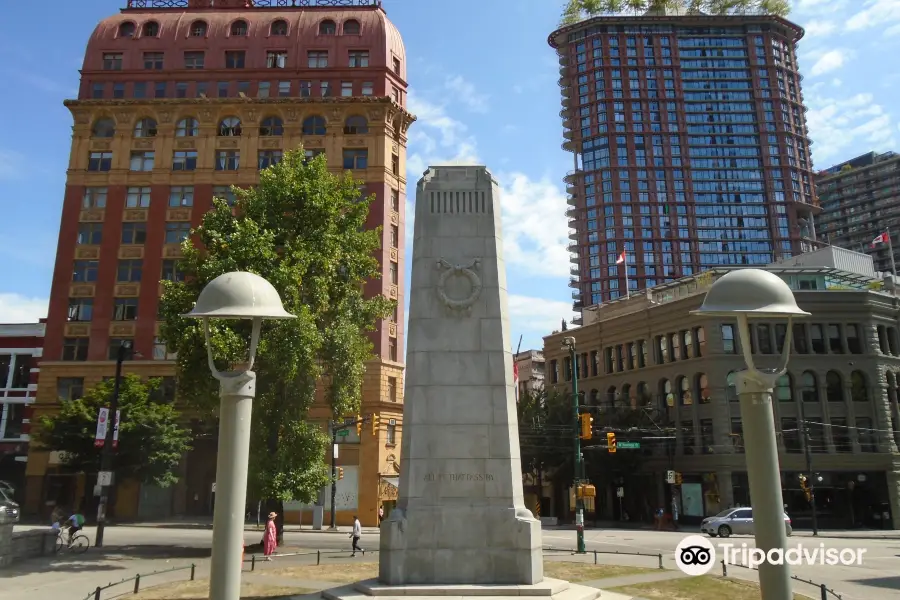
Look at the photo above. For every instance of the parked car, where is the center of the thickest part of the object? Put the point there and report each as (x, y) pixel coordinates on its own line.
(9, 510)
(737, 521)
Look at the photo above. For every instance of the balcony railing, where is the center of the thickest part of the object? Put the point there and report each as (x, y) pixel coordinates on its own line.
(149, 4)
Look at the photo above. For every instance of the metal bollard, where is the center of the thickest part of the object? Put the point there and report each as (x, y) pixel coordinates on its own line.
(318, 557)
(193, 570)
(595, 557)
(97, 593)
(824, 591)
(252, 562)
(724, 569)
(660, 561)
(137, 583)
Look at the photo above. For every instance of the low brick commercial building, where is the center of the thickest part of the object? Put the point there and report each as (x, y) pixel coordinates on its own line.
(648, 353)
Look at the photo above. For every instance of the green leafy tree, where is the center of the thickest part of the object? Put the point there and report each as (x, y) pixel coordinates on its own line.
(304, 230)
(546, 436)
(151, 440)
(577, 10)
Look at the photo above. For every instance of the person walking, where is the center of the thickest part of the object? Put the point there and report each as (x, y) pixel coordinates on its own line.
(270, 537)
(356, 534)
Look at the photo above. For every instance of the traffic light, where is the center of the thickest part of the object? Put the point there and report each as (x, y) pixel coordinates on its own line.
(586, 426)
(375, 424)
(611, 442)
(359, 425)
(340, 472)
(804, 485)
(678, 478)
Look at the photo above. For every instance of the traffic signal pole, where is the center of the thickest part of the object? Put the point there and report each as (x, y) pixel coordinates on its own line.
(579, 459)
(810, 479)
(334, 478)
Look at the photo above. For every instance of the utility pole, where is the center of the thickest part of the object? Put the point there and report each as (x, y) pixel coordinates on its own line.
(106, 455)
(569, 343)
(334, 436)
(810, 479)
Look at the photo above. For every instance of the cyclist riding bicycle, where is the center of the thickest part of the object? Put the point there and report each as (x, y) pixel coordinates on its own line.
(75, 522)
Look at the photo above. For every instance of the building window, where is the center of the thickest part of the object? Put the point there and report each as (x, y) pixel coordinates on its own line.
(160, 90)
(835, 343)
(94, 197)
(160, 353)
(368, 88)
(395, 201)
(284, 89)
(100, 161)
(841, 435)
(134, 233)
(239, 28)
(801, 345)
(392, 349)
(181, 89)
(396, 64)
(89, 234)
(153, 61)
(187, 127)
(177, 232)
(271, 126)
(276, 59)
(346, 89)
(75, 349)
(140, 89)
(728, 344)
(395, 164)
(170, 270)
(81, 309)
(227, 160)
(118, 90)
(356, 125)
(817, 335)
(834, 387)
(325, 89)
(112, 61)
(268, 158)
(327, 27)
(859, 388)
(114, 345)
(311, 154)
(226, 193)
(356, 158)
(193, 60)
(784, 388)
(392, 273)
(129, 271)
(150, 29)
(854, 341)
(85, 271)
(317, 59)
(391, 433)
(865, 434)
(351, 27)
(279, 27)
(230, 127)
(137, 197)
(198, 29)
(359, 58)
(98, 91)
(184, 160)
(181, 195)
(145, 128)
(262, 89)
(234, 59)
(791, 435)
(305, 89)
(142, 161)
(223, 89)
(69, 388)
(125, 309)
(314, 125)
(392, 389)
(395, 236)
(126, 30)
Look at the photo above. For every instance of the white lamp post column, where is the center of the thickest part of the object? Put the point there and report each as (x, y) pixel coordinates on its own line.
(747, 294)
(237, 295)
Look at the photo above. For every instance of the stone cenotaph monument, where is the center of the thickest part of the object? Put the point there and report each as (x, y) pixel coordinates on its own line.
(460, 527)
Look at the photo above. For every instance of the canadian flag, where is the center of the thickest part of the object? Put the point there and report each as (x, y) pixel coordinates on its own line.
(881, 239)
(621, 258)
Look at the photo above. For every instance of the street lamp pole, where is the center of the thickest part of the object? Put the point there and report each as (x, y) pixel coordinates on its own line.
(810, 477)
(106, 455)
(569, 343)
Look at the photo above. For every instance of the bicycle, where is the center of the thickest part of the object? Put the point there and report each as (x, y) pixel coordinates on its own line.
(78, 544)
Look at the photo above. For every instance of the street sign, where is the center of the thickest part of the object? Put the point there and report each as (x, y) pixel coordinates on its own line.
(104, 478)
(620, 492)
(342, 432)
(629, 445)
(670, 476)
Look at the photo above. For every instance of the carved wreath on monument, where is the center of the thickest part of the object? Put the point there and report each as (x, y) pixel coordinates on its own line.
(456, 271)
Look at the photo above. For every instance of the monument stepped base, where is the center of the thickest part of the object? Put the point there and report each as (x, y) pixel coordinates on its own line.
(548, 589)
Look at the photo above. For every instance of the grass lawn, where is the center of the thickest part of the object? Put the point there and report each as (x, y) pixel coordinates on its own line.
(347, 572)
(199, 590)
(696, 588)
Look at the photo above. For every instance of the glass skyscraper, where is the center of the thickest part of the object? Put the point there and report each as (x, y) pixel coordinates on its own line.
(690, 147)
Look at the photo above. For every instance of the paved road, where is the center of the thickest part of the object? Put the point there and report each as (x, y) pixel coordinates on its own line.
(141, 549)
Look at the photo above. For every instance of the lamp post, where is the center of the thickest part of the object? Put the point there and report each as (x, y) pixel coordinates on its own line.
(749, 294)
(106, 455)
(569, 344)
(237, 295)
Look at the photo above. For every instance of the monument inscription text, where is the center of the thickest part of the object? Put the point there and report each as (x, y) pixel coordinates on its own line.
(458, 477)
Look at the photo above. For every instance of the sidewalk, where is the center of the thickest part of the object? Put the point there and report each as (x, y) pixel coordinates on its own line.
(862, 534)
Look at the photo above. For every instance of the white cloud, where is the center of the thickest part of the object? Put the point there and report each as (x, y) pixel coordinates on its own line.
(831, 60)
(16, 308)
(876, 13)
(538, 314)
(823, 28)
(836, 124)
(818, 6)
(836, 82)
(467, 94)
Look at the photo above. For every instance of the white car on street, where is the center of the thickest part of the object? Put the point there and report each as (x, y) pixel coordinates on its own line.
(737, 521)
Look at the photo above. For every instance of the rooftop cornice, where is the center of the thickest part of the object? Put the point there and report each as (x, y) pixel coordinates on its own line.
(195, 5)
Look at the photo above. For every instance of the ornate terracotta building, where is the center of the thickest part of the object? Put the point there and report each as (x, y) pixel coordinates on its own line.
(179, 100)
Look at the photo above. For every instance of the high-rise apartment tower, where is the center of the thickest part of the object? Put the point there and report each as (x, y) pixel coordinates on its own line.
(180, 100)
(690, 147)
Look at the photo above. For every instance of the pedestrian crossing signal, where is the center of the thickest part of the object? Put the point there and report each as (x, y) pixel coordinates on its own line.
(611, 442)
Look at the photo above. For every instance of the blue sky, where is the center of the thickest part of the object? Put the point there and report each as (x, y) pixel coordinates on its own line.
(483, 85)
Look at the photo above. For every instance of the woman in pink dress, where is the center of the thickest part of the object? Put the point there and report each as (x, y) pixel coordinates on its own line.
(270, 539)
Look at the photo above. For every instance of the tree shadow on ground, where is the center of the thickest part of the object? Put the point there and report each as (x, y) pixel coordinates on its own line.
(890, 583)
(102, 559)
